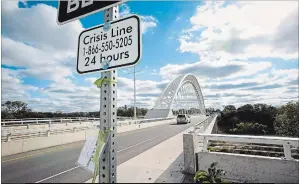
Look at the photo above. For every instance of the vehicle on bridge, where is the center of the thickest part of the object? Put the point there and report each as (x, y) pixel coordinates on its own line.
(183, 118)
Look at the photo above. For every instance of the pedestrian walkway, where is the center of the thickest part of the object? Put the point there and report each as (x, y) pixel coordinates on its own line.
(162, 163)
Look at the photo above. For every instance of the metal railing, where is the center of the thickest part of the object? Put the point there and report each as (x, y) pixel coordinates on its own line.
(286, 142)
(40, 133)
(139, 121)
(15, 134)
(16, 122)
(46, 121)
(202, 126)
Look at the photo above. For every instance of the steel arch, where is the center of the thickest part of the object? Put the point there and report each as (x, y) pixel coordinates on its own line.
(163, 106)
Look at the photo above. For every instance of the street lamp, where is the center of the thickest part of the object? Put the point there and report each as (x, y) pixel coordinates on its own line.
(135, 90)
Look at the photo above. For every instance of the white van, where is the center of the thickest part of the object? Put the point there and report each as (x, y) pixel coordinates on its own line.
(183, 118)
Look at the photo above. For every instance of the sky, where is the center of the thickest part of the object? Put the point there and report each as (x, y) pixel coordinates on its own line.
(240, 51)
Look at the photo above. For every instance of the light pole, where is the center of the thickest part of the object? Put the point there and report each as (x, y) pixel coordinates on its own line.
(134, 72)
(134, 93)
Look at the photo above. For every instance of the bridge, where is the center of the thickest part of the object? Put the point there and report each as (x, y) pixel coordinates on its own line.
(174, 94)
(153, 149)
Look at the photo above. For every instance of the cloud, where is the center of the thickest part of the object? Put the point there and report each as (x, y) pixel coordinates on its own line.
(37, 26)
(219, 69)
(243, 30)
(271, 88)
(12, 87)
(147, 21)
(154, 72)
(33, 40)
(37, 63)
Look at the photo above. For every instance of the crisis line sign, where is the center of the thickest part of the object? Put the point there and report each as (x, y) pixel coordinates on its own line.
(104, 50)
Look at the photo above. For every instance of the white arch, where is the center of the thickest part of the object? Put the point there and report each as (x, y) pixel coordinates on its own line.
(164, 104)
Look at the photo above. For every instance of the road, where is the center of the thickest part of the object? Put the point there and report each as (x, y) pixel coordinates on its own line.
(58, 164)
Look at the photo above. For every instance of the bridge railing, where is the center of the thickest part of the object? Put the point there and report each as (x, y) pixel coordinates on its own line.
(139, 121)
(286, 142)
(191, 142)
(202, 126)
(16, 122)
(15, 134)
(40, 133)
(45, 121)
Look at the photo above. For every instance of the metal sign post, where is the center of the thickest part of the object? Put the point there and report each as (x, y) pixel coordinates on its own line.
(108, 112)
(70, 10)
(104, 48)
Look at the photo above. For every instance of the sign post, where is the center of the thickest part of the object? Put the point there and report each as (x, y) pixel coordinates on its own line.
(104, 48)
(70, 10)
(108, 114)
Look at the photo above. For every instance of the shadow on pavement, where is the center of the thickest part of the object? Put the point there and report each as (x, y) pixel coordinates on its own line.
(174, 173)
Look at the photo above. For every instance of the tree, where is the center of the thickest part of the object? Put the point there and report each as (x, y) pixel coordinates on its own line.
(265, 114)
(229, 108)
(228, 118)
(245, 113)
(14, 109)
(287, 120)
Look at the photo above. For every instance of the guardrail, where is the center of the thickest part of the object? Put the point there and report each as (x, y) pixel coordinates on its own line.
(45, 121)
(201, 126)
(40, 133)
(16, 122)
(286, 142)
(139, 121)
(11, 134)
(55, 118)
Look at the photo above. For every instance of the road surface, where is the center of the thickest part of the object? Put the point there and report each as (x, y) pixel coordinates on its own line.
(58, 164)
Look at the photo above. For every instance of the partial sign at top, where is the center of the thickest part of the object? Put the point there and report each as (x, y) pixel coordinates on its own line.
(102, 49)
(69, 10)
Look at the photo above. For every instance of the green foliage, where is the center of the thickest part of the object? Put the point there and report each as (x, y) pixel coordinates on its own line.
(19, 110)
(14, 109)
(212, 149)
(229, 108)
(287, 120)
(212, 176)
(261, 114)
(249, 128)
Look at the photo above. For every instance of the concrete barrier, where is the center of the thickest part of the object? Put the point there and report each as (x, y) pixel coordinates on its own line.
(191, 143)
(24, 145)
(126, 128)
(251, 168)
(44, 126)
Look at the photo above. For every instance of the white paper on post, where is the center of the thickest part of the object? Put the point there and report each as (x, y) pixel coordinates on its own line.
(86, 156)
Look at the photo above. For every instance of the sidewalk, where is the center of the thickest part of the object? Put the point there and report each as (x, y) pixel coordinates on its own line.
(162, 163)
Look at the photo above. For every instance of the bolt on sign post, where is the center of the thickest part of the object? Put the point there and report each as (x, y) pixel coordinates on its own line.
(104, 48)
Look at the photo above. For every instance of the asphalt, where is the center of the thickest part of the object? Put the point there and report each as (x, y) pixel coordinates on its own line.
(58, 164)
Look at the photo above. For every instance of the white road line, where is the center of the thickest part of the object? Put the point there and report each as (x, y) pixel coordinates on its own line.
(140, 143)
(117, 152)
(57, 174)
